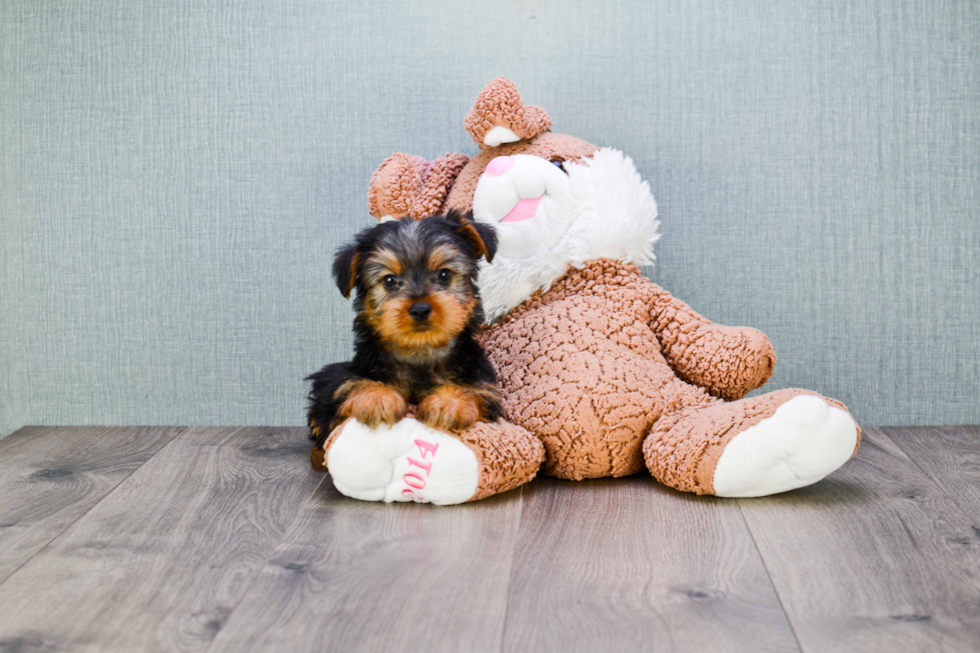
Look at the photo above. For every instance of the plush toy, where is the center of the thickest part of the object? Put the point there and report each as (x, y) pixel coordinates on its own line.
(608, 371)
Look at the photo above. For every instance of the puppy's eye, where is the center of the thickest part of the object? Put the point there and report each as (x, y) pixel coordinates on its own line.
(444, 275)
(558, 163)
(389, 281)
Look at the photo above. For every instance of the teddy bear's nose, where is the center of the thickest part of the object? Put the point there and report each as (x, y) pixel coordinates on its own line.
(499, 166)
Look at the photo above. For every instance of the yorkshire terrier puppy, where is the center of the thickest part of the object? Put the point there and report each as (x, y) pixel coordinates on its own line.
(415, 334)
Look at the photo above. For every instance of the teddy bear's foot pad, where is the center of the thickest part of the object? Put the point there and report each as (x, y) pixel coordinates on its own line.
(406, 462)
(802, 442)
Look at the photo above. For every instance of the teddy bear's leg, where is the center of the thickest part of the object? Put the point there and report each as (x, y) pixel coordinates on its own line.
(751, 447)
(413, 462)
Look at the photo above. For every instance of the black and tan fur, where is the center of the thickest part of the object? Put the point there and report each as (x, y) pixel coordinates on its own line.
(395, 269)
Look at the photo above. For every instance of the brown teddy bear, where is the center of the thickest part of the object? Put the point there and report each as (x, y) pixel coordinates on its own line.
(605, 369)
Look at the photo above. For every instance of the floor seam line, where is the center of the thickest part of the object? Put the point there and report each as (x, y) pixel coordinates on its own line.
(775, 590)
(967, 511)
(97, 503)
(272, 553)
(510, 572)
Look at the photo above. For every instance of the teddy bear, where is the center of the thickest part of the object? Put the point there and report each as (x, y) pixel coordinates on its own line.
(603, 372)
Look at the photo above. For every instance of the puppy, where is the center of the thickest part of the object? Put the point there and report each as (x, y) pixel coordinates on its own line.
(418, 316)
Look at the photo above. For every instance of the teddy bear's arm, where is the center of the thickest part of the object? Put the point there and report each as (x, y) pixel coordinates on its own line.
(726, 361)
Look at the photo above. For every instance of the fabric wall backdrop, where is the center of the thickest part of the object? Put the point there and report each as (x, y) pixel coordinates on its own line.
(174, 177)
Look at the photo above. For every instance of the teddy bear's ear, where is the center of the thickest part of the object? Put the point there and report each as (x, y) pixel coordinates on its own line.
(406, 185)
(499, 116)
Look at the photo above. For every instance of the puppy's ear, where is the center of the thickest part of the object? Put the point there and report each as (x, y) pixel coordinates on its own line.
(345, 263)
(481, 236)
(488, 235)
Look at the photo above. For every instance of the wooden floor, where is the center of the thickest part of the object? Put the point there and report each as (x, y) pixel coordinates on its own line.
(224, 539)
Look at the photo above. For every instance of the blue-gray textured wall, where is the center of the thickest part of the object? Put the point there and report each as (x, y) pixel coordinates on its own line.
(175, 175)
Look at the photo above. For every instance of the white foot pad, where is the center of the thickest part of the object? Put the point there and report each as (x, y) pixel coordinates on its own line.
(406, 462)
(802, 442)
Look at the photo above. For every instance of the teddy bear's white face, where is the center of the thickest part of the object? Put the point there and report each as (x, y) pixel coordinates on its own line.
(550, 217)
(528, 201)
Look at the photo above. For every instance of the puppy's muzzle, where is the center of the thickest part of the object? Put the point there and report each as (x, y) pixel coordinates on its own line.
(420, 311)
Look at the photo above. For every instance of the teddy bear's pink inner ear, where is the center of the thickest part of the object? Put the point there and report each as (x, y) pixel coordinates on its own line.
(499, 116)
(406, 185)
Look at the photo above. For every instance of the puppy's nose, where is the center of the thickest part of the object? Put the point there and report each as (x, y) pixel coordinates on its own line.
(420, 311)
(499, 166)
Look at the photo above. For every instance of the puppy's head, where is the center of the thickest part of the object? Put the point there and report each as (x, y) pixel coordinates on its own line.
(415, 279)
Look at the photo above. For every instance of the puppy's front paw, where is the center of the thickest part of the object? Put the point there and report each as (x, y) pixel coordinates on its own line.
(450, 408)
(372, 402)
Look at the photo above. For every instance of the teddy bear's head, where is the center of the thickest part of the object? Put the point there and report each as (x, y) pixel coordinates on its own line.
(555, 200)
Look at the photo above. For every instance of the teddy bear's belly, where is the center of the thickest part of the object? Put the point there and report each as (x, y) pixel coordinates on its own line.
(589, 397)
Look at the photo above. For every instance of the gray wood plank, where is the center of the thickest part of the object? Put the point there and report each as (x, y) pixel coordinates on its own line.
(874, 558)
(355, 576)
(950, 456)
(628, 565)
(51, 476)
(161, 562)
